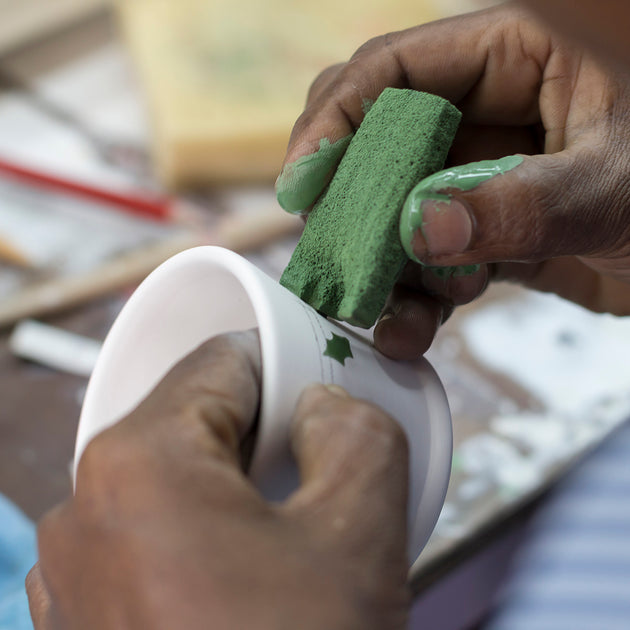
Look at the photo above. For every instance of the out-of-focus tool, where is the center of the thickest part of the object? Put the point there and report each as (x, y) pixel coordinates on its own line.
(26, 20)
(54, 347)
(160, 208)
(9, 253)
(239, 233)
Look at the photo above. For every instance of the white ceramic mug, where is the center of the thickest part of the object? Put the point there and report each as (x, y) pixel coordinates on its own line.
(207, 291)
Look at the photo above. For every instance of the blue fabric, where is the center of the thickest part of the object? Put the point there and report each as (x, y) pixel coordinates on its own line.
(574, 573)
(18, 553)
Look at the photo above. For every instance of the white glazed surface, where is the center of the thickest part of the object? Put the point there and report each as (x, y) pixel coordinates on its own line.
(207, 291)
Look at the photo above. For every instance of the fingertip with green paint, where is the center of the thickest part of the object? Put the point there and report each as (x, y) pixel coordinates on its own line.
(435, 222)
(460, 271)
(301, 182)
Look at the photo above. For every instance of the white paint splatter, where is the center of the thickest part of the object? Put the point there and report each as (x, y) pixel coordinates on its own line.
(566, 356)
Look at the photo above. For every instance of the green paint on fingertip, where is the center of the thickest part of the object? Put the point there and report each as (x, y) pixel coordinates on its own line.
(443, 273)
(302, 181)
(469, 176)
(465, 270)
(338, 348)
(464, 177)
(460, 271)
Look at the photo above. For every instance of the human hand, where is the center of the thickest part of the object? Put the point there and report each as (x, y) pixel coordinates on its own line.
(557, 218)
(165, 531)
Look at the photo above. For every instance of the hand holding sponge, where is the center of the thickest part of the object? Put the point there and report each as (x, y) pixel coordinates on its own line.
(350, 256)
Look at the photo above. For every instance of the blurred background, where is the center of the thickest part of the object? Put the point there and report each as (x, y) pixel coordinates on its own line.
(131, 130)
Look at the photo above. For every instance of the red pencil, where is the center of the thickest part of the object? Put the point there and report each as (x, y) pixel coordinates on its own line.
(160, 208)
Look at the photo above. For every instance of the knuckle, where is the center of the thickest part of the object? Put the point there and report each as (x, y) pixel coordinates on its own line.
(214, 351)
(107, 475)
(537, 224)
(221, 378)
(102, 459)
(372, 45)
(322, 80)
(218, 432)
(303, 124)
(208, 352)
(593, 223)
(545, 222)
(52, 534)
(550, 225)
(221, 344)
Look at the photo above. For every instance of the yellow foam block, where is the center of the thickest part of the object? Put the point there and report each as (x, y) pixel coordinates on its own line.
(226, 79)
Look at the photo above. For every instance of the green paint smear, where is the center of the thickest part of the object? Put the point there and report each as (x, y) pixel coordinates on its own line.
(338, 348)
(465, 177)
(302, 181)
(445, 273)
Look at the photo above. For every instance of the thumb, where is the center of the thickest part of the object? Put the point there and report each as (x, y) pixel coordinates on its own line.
(353, 465)
(517, 208)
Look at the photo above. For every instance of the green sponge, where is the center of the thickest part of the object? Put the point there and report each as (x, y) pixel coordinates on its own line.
(349, 256)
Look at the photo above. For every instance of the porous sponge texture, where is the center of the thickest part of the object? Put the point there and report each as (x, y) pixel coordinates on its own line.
(349, 256)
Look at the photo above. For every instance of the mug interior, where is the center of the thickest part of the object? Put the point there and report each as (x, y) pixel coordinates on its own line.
(175, 310)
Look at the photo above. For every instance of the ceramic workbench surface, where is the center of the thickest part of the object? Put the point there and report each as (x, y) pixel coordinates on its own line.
(533, 382)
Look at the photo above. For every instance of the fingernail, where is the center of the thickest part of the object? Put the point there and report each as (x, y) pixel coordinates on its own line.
(317, 389)
(445, 228)
(433, 224)
(301, 182)
(337, 390)
(385, 315)
(390, 311)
